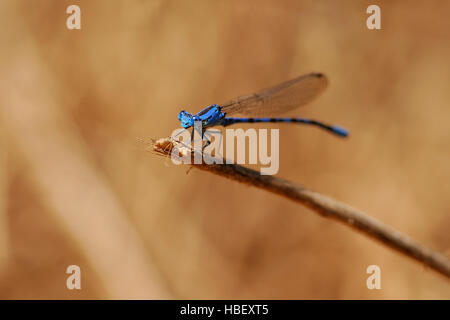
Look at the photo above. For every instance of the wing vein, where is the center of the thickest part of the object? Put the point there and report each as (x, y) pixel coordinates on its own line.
(281, 98)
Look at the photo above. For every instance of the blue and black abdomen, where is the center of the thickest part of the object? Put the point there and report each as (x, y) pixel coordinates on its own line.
(334, 129)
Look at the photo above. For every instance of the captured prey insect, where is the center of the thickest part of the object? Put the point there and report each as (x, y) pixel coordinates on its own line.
(278, 99)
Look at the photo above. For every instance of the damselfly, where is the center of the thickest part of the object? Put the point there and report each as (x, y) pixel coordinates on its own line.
(278, 99)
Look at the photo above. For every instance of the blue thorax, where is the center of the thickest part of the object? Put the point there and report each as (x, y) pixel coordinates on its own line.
(209, 116)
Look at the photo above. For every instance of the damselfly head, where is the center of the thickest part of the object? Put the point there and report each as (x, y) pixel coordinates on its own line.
(186, 119)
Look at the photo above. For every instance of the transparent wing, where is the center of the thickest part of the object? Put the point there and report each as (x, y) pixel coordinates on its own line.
(280, 98)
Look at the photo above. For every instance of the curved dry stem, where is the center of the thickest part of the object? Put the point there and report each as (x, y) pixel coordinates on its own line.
(323, 205)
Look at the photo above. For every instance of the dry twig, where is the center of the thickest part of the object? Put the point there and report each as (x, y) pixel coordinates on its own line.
(321, 204)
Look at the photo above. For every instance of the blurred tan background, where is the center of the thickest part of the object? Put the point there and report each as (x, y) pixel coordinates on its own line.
(76, 186)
